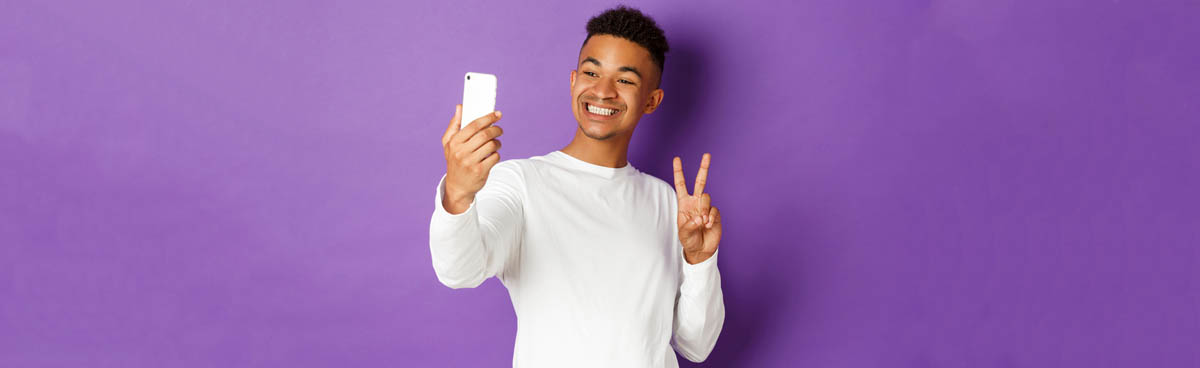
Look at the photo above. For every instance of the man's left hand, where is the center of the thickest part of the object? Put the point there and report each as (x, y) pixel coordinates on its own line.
(699, 220)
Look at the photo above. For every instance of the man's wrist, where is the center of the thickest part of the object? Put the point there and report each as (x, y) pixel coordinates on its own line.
(455, 202)
(696, 257)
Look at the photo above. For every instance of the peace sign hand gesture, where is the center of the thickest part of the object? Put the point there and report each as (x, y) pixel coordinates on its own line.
(699, 220)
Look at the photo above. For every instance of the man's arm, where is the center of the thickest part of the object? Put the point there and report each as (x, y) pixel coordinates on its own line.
(483, 241)
(476, 226)
(699, 310)
(700, 305)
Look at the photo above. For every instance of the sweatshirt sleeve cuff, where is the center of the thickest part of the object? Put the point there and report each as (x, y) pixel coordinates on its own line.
(700, 277)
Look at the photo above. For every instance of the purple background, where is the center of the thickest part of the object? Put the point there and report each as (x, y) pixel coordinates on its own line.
(904, 184)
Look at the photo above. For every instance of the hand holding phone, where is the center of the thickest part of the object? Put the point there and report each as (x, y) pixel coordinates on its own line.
(469, 144)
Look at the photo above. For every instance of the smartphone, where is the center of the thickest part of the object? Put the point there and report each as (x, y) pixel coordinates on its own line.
(479, 97)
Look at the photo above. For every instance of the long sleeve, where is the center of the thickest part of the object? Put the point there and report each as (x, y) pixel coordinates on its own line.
(699, 309)
(483, 241)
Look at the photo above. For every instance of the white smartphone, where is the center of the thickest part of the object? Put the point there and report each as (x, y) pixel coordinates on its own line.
(479, 97)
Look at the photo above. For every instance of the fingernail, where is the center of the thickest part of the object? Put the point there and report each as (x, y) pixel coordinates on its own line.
(497, 113)
(696, 220)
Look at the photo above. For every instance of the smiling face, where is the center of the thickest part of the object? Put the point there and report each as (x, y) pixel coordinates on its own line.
(615, 83)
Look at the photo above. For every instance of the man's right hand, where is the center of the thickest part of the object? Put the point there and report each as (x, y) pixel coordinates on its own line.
(470, 154)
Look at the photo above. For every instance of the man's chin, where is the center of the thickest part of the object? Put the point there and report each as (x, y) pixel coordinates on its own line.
(600, 137)
(598, 134)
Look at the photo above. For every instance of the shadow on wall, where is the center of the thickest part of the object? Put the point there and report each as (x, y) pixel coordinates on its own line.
(764, 301)
(754, 299)
(668, 131)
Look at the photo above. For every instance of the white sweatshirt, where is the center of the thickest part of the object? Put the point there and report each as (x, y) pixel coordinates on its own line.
(591, 259)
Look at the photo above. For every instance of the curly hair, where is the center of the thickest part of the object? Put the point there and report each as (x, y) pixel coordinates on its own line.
(632, 25)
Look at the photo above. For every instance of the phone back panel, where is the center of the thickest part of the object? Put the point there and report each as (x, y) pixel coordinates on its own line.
(479, 96)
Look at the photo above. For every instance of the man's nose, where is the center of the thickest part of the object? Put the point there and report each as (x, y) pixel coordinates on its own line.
(604, 90)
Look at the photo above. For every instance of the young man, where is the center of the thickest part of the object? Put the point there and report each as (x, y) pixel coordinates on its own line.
(606, 266)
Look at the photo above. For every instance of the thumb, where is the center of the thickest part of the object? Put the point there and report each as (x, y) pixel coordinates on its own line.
(454, 124)
(689, 223)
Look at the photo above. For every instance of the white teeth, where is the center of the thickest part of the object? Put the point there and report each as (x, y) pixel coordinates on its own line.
(600, 110)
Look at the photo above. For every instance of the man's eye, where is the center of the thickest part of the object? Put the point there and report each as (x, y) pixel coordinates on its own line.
(625, 81)
(591, 74)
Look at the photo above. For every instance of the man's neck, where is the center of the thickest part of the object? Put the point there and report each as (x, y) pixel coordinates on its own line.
(611, 152)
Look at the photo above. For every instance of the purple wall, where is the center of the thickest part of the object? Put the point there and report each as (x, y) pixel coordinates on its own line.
(904, 184)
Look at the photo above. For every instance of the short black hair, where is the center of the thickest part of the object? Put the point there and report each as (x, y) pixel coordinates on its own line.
(632, 25)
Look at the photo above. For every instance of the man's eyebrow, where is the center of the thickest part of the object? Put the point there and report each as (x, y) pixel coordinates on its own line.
(630, 69)
(593, 60)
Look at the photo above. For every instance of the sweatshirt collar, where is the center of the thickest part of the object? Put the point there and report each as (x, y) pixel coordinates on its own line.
(606, 172)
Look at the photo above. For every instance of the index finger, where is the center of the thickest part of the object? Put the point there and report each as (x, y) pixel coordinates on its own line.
(680, 184)
(702, 176)
(476, 125)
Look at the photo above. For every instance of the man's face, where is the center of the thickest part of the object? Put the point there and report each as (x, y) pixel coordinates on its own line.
(615, 83)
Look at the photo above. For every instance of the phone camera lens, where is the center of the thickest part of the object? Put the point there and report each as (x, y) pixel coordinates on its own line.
(468, 77)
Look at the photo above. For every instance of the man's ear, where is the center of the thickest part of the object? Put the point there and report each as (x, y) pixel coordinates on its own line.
(572, 80)
(652, 101)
